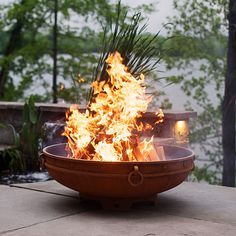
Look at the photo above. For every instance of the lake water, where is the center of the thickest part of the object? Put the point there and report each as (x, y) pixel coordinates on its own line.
(173, 91)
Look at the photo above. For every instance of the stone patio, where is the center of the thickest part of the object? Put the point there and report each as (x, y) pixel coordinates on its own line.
(47, 208)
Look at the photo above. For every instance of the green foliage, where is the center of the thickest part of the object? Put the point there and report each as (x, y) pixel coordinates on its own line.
(205, 174)
(31, 58)
(24, 156)
(3, 39)
(78, 44)
(138, 50)
(11, 157)
(141, 51)
(200, 38)
(194, 47)
(30, 135)
(17, 163)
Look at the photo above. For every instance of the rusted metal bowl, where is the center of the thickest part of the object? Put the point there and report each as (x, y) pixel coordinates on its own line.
(119, 179)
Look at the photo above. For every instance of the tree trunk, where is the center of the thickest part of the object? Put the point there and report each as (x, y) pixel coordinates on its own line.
(54, 80)
(12, 44)
(228, 109)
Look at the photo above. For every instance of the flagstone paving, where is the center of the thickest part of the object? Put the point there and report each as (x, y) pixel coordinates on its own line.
(48, 208)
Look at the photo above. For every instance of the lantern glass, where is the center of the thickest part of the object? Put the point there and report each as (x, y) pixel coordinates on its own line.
(181, 132)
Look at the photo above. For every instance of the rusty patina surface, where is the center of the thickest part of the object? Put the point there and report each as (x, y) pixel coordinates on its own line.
(119, 179)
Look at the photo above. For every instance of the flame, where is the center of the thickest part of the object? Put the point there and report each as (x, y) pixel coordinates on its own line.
(160, 116)
(108, 130)
(61, 87)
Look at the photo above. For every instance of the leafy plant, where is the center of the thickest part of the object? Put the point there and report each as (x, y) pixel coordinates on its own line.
(201, 47)
(30, 135)
(23, 155)
(26, 45)
(141, 52)
(17, 163)
(11, 157)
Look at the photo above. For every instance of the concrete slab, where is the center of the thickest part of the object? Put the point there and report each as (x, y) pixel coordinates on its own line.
(193, 200)
(50, 209)
(141, 223)
(200, 201)
(21, 208)
(49, 187)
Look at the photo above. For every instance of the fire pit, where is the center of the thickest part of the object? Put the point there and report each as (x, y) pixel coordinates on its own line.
(107, 155)
(119, 183)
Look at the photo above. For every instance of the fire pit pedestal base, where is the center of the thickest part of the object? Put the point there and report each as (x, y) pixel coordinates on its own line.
(119, 204)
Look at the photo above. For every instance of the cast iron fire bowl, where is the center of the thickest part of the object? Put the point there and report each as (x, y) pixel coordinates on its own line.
(102, 179)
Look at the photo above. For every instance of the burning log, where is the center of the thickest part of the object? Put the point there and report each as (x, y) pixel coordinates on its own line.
(160, 152)
(152, 155)
(138, 154)
(147, 151)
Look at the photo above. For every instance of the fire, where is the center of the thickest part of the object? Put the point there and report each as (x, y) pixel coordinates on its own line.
(109, 130)
(160, 116)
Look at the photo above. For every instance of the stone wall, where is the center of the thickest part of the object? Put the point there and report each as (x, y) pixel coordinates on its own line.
(11, 113)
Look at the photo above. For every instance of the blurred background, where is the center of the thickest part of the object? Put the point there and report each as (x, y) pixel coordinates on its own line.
(48, 49)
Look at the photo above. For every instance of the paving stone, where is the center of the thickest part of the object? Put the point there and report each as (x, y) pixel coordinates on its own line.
(50, 209)
(21, 207)
(138, 223)
(194, 200)
(200, 201)
(49, 186)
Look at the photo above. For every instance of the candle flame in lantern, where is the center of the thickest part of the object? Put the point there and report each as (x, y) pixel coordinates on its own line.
(109, 130)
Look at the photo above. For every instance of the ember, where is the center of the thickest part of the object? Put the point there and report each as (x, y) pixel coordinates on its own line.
(108, 130)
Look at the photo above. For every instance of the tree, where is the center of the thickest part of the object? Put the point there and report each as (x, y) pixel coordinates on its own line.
(12, 44)
(200, 30)
(55, 51)
(229, 109)
(28, 50)
(31, 57)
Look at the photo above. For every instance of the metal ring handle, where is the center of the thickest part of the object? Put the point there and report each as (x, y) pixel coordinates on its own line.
(135, 178)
